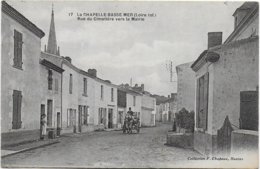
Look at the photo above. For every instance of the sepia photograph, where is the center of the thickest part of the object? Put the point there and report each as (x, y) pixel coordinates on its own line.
(129, 84)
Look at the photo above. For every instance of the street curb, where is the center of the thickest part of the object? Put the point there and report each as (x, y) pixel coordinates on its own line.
(31, 148)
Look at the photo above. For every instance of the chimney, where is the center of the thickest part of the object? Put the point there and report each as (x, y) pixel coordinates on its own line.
(68, 58)
(45, 48)
(168, 96)
(214, 39)
(92, 72)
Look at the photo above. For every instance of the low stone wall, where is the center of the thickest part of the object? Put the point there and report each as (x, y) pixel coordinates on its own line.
(19, 137)
(244, 141)
(183, 140)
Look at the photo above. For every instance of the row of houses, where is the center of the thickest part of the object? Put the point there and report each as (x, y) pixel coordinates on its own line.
(36, 82)
(166, 109)
(221, 86)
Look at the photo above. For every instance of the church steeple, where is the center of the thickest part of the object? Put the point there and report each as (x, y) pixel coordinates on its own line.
(52, 42)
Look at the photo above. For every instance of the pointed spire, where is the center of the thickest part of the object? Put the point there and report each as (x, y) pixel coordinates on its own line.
(52, 42)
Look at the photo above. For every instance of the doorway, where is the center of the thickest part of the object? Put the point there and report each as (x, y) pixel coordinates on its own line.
(49, 113)
(58, 123)
(249, 110)
(80, 118)
(110, 118)
(42, 112)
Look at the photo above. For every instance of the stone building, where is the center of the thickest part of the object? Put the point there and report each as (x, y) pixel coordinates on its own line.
(185, 87)
(134, 101)
(128, 98)
(148, 106)
(105, 110)
(50, 86)
(165, 111)
(20, 70)
(121, 106)
(51, 78)
(223, 73)
(148, 110)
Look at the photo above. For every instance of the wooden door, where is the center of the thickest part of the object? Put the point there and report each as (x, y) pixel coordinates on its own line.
(110, 118)
(105, 117)
(80, 118)
(17, 106)
(58, 120)
(42, 112)
(49, 113)
(249, 110)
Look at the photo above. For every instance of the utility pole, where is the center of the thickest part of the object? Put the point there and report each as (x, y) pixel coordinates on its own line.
(169, 69)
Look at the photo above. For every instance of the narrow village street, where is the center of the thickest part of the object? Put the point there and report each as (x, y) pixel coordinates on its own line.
(106, 149)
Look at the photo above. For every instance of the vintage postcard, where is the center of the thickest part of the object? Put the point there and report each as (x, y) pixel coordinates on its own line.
(129, 84)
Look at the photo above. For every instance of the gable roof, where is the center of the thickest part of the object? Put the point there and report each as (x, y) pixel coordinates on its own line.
(18, 17)
(199, 61)
(246, 6)
(50, 65)
(252, 8)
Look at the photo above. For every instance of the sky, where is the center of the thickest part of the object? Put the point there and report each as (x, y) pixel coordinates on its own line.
(137, 50)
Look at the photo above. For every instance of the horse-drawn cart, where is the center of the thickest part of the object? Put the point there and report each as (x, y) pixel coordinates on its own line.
(131, 123)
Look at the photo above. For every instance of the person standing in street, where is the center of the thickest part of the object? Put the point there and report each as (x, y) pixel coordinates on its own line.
(43, 126)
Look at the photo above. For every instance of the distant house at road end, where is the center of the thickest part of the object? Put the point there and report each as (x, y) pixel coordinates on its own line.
(185, 87)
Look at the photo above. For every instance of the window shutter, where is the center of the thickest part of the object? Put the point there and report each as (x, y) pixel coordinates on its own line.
(15, 48)
(70, 84)
(19, 109)
(56, 85)
(197, 103)
(20, 47)
(205, 100)
(17, 102)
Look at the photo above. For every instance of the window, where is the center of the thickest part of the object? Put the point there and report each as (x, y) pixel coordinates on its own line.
(49, 113)
(112, 94)
(83, 113)
(70, 84)
(134, 100)
(85, 83)
(102, 116)
(71, 117)
(18, 42)
(102, 92)
(56, 85)
(17, 104)
(49, 79)
(202, 101)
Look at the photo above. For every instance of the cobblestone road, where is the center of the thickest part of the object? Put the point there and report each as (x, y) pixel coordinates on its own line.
(107, 149)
